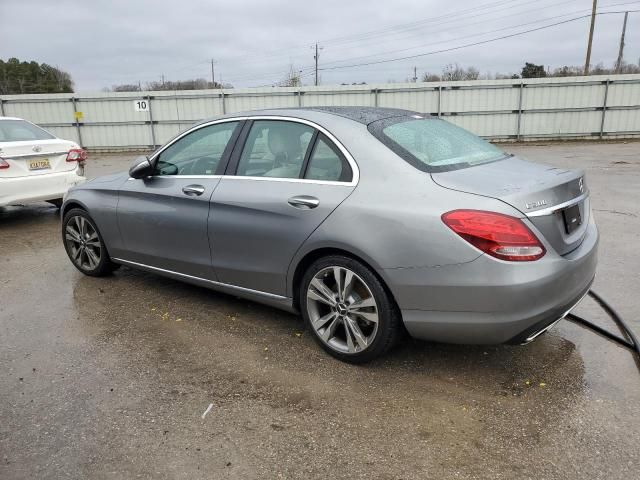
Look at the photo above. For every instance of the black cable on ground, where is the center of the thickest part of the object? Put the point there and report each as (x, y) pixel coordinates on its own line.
(631, 342)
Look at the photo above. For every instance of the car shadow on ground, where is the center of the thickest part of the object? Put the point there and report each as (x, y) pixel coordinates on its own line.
(139, 307)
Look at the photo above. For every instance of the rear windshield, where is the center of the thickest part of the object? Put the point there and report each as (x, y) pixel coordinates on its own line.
(19, 130)
(434, 145)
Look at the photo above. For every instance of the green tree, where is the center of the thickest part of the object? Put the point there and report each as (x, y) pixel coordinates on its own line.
(531, 70)
(31, 77)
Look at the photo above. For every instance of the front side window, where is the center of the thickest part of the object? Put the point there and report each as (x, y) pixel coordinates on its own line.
(21, 131)
(434, 145)
(327, 163)
(275, 148)
(198, 153)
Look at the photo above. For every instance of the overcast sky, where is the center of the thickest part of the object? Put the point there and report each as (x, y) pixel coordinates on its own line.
(106, 42)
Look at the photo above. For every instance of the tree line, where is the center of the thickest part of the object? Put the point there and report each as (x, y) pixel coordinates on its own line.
(455, 72)
(18, 77)
(194, 84)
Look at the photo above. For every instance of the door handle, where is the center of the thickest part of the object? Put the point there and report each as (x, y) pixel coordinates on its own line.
(193, 190)
(304, 202)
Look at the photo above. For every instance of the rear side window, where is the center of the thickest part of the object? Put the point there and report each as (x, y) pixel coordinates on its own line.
(21, 131)
(275, 148)
(327, 163)
(434, 145)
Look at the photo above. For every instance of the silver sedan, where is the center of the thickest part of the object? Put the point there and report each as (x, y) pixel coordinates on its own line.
(367, 221)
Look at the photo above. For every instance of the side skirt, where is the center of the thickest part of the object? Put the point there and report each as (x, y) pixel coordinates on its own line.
(271, 299)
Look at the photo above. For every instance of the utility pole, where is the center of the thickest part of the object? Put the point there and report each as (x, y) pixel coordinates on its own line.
(415, 75)
(213, 77)
(162, 79)
(621, 51)
(593, 23)
(315, 57)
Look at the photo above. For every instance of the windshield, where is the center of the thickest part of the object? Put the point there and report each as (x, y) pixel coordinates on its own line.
(19, 131)
(434, 145)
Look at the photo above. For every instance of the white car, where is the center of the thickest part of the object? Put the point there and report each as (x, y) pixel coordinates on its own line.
(35, 165)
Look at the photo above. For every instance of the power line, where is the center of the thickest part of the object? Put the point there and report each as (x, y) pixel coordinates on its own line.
(431, 32)
(421, 23)
(390, 30)
(466, 45)
(442, 19)
(459, 38)
(311, 69)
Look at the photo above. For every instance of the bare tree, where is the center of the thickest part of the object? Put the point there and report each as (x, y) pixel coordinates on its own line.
(293, 78)
(454, 72)
(195, 84)
(431, 77)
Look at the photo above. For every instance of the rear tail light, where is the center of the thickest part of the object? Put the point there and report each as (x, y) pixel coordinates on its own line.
(4, 164)
(498, 235)
(76, 155)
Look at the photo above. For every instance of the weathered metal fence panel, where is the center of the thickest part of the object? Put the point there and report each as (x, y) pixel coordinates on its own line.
(519, 109)
(420, 99)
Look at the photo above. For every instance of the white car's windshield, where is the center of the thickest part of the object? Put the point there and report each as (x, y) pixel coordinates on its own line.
(20, 131)
(436, 144)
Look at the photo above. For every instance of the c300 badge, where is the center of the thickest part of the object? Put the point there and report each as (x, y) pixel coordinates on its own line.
(536, 204)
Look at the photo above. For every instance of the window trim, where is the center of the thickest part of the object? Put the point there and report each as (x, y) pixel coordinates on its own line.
(317, 138)
(307, 155)
(355, 178)
(228, 149)
(234, 161)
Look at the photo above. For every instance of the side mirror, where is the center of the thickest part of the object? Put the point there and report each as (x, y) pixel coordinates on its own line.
(140, 168)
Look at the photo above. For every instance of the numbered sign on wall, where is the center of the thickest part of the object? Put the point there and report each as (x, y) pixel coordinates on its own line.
(141, 105)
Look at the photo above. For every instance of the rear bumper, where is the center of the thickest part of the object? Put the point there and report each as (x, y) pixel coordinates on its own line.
(38, 187)
(488, 301)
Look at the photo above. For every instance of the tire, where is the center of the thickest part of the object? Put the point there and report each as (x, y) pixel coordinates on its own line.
(56, 202)
(84, 244)
(355, 323)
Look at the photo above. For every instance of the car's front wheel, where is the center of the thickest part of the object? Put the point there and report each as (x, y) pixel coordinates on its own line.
(84, 244)
(348, 309)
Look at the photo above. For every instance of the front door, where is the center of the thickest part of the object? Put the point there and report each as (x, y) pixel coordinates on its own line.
(285, 181)
(163, 218)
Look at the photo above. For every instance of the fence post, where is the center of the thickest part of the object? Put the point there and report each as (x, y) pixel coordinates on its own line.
(604, 107)
(375, 97)
(153, 132)
(2, 107)
(300, 92)
(77, 122)
(439, 101)
(519, 111)
(224, 106)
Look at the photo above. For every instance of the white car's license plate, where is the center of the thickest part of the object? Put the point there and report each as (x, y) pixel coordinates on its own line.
(39, 164)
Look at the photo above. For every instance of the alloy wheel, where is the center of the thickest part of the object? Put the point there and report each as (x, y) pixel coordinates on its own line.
(342, 310)
(83, 243)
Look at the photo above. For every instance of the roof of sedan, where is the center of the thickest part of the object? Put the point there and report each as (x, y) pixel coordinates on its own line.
(364, 115)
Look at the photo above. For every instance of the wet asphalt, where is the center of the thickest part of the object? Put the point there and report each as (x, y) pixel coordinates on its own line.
(109, 378)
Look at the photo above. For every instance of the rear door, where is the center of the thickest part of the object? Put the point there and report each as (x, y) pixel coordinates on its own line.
(285, 177)
(163, 218)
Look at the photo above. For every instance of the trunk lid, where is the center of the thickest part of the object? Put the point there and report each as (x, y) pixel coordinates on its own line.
(36, 157)
(555, 200)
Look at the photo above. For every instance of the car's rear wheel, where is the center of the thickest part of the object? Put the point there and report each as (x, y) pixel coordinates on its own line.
(348, 309)
(84, 244)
